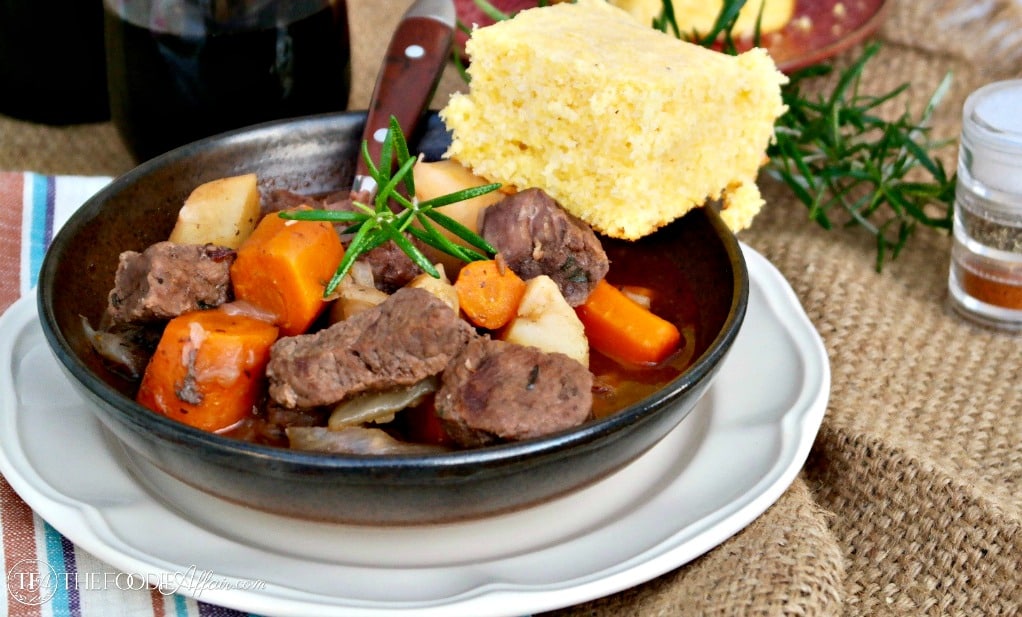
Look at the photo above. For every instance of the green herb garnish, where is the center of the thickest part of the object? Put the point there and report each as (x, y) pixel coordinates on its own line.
(376, 224)
(837, 154)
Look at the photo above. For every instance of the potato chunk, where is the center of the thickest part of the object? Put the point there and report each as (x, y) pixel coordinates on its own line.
(439, 287)
(441, 178)
(444, 177)
(356, 293)
(546, 320)
(222, 212)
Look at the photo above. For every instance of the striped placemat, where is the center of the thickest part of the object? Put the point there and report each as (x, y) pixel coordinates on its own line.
(45, 574)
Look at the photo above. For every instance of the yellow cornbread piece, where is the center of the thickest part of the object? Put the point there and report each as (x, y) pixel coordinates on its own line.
(700, 15)
(626, 127)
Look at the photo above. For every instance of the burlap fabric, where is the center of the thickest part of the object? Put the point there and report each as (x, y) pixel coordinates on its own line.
(910, 502)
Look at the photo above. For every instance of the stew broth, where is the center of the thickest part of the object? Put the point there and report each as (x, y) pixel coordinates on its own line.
(617, 385)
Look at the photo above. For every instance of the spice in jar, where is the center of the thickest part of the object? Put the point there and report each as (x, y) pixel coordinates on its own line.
(991, 284)
(985, 280)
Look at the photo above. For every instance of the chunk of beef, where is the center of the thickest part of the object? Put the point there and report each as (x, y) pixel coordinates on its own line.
(496, 391)
(277, 200)
(168, 279)
(410, 336)
(536, 236)
(392, 268)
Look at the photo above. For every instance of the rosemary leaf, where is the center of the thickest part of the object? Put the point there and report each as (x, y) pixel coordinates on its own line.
(402, 153)
(491, 11)
(355, 248)
(332, 216)
(370, 163)
(461, 231)
(428, 235)
(385, 172)
(462, 195)
(411, 250)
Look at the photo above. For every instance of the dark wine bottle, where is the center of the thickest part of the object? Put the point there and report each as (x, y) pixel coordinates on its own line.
(52, 67)
(177, 79)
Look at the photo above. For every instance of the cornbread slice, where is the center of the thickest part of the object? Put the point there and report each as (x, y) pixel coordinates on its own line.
(628, 128)
(700, 15)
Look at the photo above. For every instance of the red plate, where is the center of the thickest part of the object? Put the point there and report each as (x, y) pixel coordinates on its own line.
(818, 29)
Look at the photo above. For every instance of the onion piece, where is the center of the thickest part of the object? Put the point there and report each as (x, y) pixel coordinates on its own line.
(353, 440)
(379, 406)
(247, 309)
(127, 347)
(637, 296)
(356, 293)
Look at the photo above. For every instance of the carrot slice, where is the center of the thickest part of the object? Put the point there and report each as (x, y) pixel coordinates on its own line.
(423, 425)
(621, 328)
(489, 293)
(208, 368)
(284, 267)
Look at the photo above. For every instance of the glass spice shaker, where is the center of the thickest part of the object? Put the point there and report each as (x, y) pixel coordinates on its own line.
(985, 280)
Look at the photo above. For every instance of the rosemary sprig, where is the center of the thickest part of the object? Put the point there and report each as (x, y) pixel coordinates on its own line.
(836, 153)
(378, 223)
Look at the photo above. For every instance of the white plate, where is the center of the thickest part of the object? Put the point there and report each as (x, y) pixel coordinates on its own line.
(726, 463)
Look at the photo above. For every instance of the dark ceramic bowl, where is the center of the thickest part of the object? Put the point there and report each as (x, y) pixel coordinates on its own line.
(315, 155)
